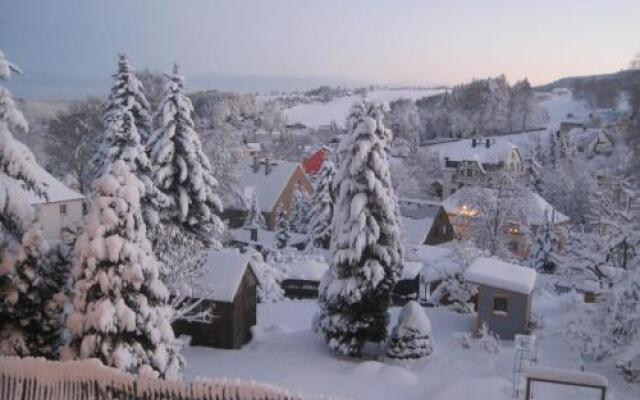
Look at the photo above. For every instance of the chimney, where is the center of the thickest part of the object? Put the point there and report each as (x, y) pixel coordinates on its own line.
(473, 142)
(256, 163)
(267, 165)
(254, 233)
(488, 143)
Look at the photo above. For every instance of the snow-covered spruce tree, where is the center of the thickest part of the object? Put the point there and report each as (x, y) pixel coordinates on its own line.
(411, 337)
(36, 296)
(127, 92)
(282, 228)
(366, 258)
(299, 218)
(121, 141)
(120, 311)
(542, 251)
(322, 204)
(181, 169)
(254, 219)
(18, 172)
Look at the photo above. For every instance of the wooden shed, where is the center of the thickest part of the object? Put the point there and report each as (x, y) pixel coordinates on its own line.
(408, 287)
(229, 289)
(303, 278)
(504, 295)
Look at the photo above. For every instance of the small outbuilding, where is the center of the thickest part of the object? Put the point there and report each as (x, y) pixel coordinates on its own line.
(303, 278)
(228, 288)
(504, 295)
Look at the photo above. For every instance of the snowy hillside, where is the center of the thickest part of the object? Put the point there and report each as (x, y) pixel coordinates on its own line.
(317, 114)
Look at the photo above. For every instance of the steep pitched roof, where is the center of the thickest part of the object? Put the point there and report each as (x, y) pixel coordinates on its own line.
(267, 187)
(55, 190)
(536, 208)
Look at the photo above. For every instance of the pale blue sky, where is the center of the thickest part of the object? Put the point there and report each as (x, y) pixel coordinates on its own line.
(400, 41)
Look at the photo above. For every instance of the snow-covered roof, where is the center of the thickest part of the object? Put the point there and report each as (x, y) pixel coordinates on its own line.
(256, 146)
(535, 207)
(418, 208)
(310, 270)
(56, 191)
(223, 272)
(566, 376)
(436, 261)
(415, 231)
(499, 274)
(411, 269)
(267, 187)
(463, 150)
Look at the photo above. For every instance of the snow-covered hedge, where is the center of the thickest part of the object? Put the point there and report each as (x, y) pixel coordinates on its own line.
(40, 379)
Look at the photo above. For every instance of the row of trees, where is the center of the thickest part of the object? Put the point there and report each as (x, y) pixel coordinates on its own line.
(482, 107)
(139, 220)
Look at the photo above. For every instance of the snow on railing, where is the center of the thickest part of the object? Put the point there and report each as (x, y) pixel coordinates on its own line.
(40, 379)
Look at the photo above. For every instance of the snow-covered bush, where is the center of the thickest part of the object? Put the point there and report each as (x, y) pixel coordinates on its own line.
(366, 252)
(411, 337)
(269, 278)
(485, 340)
(35, 296)
(120, 311)
(454, 289)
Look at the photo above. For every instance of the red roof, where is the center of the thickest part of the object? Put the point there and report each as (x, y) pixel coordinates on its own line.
(313, 163)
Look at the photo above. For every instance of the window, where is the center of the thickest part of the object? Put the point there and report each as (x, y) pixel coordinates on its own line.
(63, 209)
(500, 305)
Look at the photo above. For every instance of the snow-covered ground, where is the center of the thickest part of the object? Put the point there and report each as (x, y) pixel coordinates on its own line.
(285, 352)
(317, 113)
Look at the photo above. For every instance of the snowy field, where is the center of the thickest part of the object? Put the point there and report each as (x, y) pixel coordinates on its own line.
(285, 352)
(316, 114)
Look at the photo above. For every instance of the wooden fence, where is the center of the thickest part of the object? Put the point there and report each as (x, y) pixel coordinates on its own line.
(40, 379)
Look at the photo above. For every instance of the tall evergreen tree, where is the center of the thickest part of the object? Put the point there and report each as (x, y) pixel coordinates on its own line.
(367, 256)
(254, 217)
(120, 305)
(282, 228)
(18, 172)
(181, 169)
(541, 254)
(299, 219)
(127, 93)
(322, 204)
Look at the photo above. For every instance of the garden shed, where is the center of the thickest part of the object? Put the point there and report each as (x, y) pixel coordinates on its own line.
(303, 279)
(228, 288)
(504, 295)
(408, 287)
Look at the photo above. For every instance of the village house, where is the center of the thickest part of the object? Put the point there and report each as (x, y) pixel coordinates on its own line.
(273, 182)
(477, 162)
(424, 222)
(228, 288)
(504, 296)
(58, 211)
(533, 211)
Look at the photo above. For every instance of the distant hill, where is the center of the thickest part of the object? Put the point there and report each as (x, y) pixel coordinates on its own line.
(600, 91)
(618, 78)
